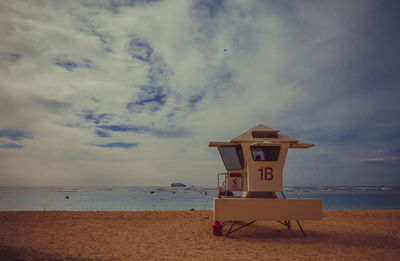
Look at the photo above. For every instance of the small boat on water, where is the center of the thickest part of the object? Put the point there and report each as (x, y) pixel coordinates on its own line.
(181, 185)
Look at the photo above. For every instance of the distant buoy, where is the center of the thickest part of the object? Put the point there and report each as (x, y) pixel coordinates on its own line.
(67, 197)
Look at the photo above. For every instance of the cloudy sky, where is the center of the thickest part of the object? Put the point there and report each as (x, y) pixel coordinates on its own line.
(130, 92)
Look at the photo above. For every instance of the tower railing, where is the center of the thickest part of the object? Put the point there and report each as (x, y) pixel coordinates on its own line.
(222, 184)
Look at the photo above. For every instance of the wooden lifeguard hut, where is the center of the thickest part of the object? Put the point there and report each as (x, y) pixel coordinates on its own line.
(250, 188)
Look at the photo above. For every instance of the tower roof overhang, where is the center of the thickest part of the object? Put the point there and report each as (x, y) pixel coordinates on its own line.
(263, 135)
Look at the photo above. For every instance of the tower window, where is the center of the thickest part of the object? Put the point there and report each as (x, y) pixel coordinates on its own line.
(265, 153)
(232, 156)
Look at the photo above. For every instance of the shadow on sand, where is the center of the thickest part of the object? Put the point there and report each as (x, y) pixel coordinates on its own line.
(14, 253)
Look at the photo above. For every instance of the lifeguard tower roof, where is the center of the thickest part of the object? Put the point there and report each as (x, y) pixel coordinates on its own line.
(264, 134)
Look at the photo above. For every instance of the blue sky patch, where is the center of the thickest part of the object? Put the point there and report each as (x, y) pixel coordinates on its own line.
(11, 146)
(140, 49)
(11, 57)
(223, 81)
(14, 134)
(152, 97)
(207, 13)
(105, 39)
(102, 134)
(115, 5)
(70, 64)
(53, 105)
(122, 145)
(161, 133)
(208, 9)
(159, 72)
(193, 100)
(96, 118)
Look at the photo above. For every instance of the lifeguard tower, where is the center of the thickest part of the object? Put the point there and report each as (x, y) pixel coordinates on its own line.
(254, 163)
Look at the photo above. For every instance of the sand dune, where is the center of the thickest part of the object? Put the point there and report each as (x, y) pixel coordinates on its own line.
(186, 235)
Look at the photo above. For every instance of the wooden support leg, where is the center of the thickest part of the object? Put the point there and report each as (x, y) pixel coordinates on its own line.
(302, 231)
(286, 223)
(236, 229)
(230, 228)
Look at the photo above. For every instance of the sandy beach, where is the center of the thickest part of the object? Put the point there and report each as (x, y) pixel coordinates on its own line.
(186, 235)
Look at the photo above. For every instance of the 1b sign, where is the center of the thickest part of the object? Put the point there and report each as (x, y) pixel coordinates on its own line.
(266, 173)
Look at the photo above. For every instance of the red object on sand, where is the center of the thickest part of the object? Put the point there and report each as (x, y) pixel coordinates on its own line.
(217, 229)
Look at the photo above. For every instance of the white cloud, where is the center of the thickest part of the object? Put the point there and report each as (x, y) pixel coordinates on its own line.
(68, 69)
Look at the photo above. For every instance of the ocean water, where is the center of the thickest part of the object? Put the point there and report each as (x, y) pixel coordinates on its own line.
(167, 198)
